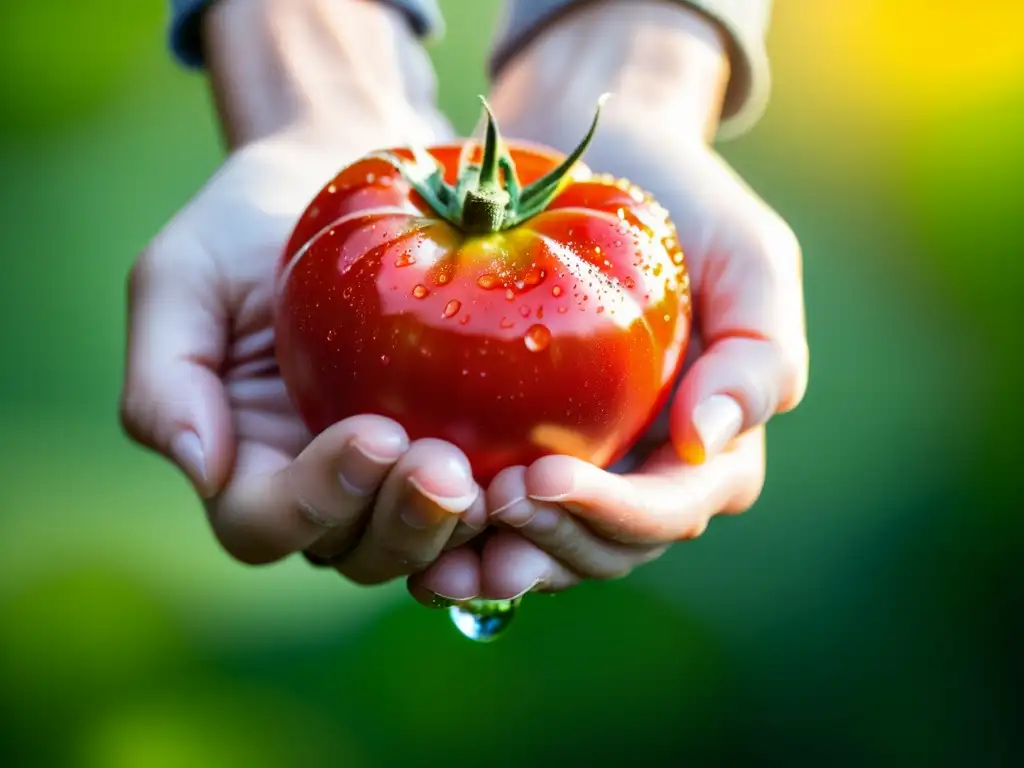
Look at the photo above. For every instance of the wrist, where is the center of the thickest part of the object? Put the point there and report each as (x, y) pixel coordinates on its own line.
(664, 64)
(273, 64)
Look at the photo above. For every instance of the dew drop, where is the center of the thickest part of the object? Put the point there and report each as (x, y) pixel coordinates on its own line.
(487, 281)
(540, 311)
(347, 293)
(443, 278)
(506, 323)
(332, 335)
(563, 309)
(524, 311)
(405, 259)
(629, 282)
(464, 320)
(451, 308)
(600, 310)
(385, 359)
(510, 295)
(666, 318)
(331, 189)
(537, 338)
(483, 620)
(556, 291)
(420, 291)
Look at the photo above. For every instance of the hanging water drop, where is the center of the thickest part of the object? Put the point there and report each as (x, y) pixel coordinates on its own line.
(483, 620)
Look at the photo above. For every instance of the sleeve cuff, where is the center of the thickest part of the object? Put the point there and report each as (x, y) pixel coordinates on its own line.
(745, 23)
(424, 17)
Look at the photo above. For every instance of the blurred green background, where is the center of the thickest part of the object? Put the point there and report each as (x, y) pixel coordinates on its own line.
(868, 611)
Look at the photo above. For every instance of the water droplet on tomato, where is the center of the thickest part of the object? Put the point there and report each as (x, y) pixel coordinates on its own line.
(534, 276)
(332, 335)
(385, 359)
(487, 281)
(629, 282)
(506, 323)
(657, 269)
(464, 319)
(451, 308)
(405, 259)
(483, 620)
(465, 371)
(509, 295)
(537, 338)
(677, 258)
(540, 311)
(600, 310)
(524, 311)
(666, 318)
(331, 189)
(370, 178)
(563, 309)
(556, 291)
(420, 291)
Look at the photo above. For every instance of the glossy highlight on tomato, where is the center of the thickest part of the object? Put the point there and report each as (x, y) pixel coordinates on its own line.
(559, 333)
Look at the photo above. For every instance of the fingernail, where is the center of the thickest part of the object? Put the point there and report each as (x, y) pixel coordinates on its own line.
(527, 590)
(187, 450)
(360, 471)
(516, 513)
(716, 421)
(420, 507)
(545, 519)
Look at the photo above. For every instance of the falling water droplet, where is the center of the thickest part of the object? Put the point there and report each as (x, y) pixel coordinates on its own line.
(420, 291)
(537, 338)
(483, 620)
(451, 308)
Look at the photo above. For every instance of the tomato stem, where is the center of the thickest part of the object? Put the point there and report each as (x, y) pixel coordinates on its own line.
(488, 197)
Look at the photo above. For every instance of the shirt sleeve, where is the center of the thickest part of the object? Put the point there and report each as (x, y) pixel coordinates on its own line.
(745, 23)
(424, 17)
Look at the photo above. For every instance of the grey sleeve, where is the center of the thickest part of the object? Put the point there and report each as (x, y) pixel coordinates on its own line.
(745, 23)
(423, 15)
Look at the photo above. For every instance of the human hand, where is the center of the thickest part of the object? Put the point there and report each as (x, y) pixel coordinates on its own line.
(202, 386)
(561, 519)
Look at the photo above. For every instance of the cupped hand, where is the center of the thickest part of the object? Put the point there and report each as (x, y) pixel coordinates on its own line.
(202, 386)
(562, 520)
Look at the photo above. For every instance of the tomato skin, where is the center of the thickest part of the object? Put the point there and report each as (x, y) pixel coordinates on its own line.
(563, 335)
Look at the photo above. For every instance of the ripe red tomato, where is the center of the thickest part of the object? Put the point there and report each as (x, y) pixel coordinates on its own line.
(512, 303)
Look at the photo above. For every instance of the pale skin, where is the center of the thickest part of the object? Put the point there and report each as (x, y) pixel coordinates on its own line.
(305, 86)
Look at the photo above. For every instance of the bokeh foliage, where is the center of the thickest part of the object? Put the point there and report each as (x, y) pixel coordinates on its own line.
(868, 611)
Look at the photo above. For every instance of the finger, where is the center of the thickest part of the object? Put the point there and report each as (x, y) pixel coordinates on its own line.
(415, 513)
(749, 303)
(274, 507)
(668, 500)
(172, 399)
(471, 524)
(557, 532)
(511, 566)
(455, 577)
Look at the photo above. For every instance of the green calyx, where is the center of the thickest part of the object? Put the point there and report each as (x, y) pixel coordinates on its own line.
(487, 197)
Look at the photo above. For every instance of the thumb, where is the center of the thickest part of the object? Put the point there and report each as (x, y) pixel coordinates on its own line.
(755, 360)
(173, 400)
